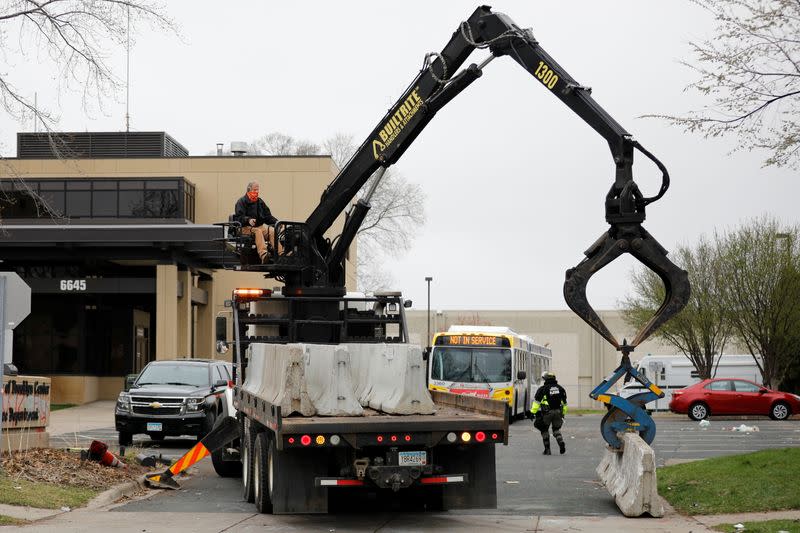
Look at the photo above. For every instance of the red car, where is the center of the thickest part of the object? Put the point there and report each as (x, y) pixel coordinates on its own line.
(725, 396)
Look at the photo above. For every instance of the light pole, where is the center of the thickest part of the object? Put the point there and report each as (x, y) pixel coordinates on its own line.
(429, 279)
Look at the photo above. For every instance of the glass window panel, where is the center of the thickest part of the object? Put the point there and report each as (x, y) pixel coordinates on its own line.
(20, 205)
(6, 185)
(723, 385)
(160, 204)
(79, 185)
(55, 201)
(162, 184)
(131, 203)
(51, 185)
(79, 203)
(131, 184)
(104, 204)
(743, 386)
(104, 184)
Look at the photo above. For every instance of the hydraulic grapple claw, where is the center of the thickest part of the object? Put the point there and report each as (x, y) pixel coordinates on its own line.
(633, 239)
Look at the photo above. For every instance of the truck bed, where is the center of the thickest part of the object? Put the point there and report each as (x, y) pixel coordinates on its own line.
(454, 412)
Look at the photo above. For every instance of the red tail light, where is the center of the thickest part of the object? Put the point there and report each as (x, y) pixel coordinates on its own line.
(291, 440)
(407, 438)
(305, 440)
(380, 438)
(494, 436)
(394, 438)
(480, 436)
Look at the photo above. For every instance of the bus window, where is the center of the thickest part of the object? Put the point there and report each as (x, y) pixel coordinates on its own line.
(471, 365)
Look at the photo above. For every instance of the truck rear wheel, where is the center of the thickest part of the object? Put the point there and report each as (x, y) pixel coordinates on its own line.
(261, 489)
(248, 442)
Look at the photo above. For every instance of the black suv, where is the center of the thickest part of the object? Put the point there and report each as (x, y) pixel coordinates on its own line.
(180, 397)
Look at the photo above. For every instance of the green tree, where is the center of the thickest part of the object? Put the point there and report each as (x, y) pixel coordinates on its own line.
(750, 72)
(759, 269)
(700, 331)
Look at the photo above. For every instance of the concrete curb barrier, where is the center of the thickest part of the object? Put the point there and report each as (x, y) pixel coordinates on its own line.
(111, 495)
(630, 477)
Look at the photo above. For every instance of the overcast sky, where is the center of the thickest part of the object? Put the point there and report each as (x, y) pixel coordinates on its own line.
(515, 182)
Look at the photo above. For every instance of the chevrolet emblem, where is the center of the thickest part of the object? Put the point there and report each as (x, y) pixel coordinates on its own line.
(155, 405)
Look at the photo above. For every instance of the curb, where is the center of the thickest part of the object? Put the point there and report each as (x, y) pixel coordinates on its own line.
(113, 494)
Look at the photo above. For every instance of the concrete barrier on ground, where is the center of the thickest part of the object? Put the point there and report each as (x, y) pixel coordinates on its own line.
(390, 378)
(630, 477)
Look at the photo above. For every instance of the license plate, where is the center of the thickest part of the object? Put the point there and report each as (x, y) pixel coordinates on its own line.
(154, 426)
(412, 458)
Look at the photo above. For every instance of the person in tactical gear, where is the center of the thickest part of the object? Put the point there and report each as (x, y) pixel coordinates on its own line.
(548, 409)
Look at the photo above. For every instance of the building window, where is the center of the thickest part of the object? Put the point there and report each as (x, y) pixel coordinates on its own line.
(155, 198)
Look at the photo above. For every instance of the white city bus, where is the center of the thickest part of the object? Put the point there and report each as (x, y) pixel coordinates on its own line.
(488, 361)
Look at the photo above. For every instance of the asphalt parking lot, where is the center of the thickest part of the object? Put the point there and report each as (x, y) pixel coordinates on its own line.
(528, 482)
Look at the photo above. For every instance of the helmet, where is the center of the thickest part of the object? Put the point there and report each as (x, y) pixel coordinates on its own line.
(548, 375)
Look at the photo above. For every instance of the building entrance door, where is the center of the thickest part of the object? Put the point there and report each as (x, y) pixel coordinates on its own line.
(141, 340)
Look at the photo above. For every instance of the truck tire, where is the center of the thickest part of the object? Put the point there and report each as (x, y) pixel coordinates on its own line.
(274, 473)
(261, 489)
(225, 468)
(248, 442)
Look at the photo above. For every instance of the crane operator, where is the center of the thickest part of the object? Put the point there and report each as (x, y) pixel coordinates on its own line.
(256, 219)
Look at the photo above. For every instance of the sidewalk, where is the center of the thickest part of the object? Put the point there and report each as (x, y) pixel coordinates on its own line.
(93, 415)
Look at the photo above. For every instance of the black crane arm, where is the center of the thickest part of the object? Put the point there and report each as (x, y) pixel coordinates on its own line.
(438, 83)
(314, 265)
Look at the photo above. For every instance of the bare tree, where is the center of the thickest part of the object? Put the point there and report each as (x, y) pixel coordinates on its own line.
(398, 206)
(700, 330)
(760, 289)
(277, 143)
(750, 69)
(75, 37)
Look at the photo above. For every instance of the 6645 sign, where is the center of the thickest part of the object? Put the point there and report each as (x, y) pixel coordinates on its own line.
(72, 285)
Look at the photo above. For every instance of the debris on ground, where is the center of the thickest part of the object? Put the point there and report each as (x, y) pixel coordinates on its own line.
(98, 451)
(63, 467)
(745, 429)
(704, 424)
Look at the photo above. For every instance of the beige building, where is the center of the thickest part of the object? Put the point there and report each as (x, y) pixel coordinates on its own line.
(128, 275)
(581, 357)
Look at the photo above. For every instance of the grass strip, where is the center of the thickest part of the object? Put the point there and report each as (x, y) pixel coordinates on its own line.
(9, 521)
(769, 526)
(760, 481)
(43, 495)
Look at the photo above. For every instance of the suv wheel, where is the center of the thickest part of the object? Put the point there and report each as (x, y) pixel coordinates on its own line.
(779, 411)
(125, 438)
(698, 411)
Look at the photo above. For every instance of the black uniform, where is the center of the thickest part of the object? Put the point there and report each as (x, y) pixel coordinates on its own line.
(552, 398)
(245, 210)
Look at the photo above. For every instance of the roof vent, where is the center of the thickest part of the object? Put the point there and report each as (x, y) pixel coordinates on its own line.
(238, 148)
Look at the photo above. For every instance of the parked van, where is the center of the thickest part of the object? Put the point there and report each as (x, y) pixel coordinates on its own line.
(673, 372)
